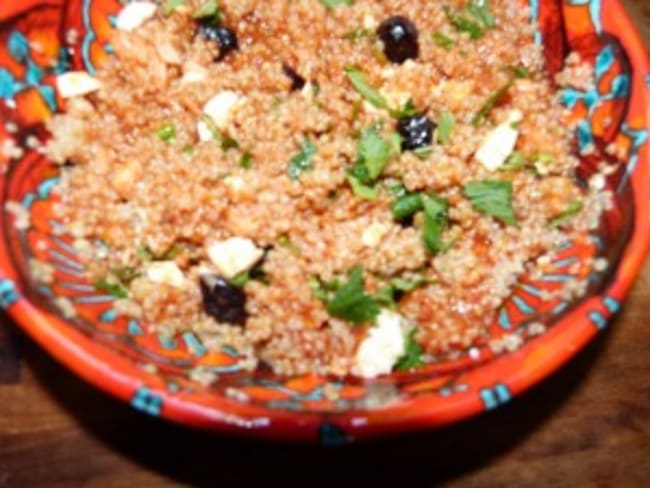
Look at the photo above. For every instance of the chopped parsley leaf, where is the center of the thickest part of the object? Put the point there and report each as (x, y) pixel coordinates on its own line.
(360, 84)
(374, 151)
(356, 34)
(475, 19)
(171, 5)
(332, 4)
(404, 206)
(514, 162)
(303, 161)
(412, 358)
(351, 302)
(493, 198)
(375, 98)
(363, 190)
(207, 11)
(574, 208)
(118, 290)
(390, 294)
(435, 221)
(246, 160)
(166, 132)
(442, 40)
(446, 123)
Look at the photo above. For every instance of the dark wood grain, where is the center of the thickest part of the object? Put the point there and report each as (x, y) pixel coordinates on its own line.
(588, 425)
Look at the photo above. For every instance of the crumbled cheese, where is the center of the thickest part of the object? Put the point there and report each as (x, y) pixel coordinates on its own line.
(235, 184)
(220, 109)
(234, 255)
(134, 15)
(166, 272)
(369, 22)
(76, 83)
(383, 346)
(499, 142)
(373, 234)
(307, 91)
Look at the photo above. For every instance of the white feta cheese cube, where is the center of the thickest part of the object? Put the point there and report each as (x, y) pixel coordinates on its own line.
(134, 15)
(383, 346)
(167, 273)
(373, 234)
(499, 142)
(234, 255)
(219, 109)
(76, 83)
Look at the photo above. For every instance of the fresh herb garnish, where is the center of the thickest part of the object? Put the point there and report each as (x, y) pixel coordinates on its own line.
(374, 154)
(332, 4)
(146, 254)
(356, 34)
(117, 290)
(491, 102)
(246, 160)
(255, 274)
(303, 161)
(207, 11)
(514, 162)
(463, 24)
(360, 84)
(392, 293)
(475, 19)
(362, 190)
(375, 98)
(493, 198)
(225, 140)
(404, 206)
(480, 10)
(351, 302)
(521, 72)
(407, 110)
(126, 274)
(171, 5)
(412, 358)
(574, 208)
(435, 221)
(442, 40)
(166, 132)
(446, 124)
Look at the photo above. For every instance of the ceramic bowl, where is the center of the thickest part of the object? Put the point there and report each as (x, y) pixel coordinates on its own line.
(40, 39)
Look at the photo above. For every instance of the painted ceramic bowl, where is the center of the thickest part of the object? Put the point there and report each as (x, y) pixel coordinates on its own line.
(40, 39)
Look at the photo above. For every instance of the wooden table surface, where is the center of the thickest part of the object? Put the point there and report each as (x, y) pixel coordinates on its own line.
(588, 425)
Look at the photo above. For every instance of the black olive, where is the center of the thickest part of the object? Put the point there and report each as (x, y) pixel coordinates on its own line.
(400, 38)
(222, 300)
(297, 81)
(416, 132)
(225, 37)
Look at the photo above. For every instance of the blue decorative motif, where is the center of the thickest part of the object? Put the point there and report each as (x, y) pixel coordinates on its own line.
(331, 435)
(18, 47)
(193, 344)
(146, 401)
(592, 98)
(611, 304)
(638, 137)
(598, 319)
(8, 293)
(496, 396)
(89, 38)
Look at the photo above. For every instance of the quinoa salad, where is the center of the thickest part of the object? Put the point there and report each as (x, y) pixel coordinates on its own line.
(338, 187)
